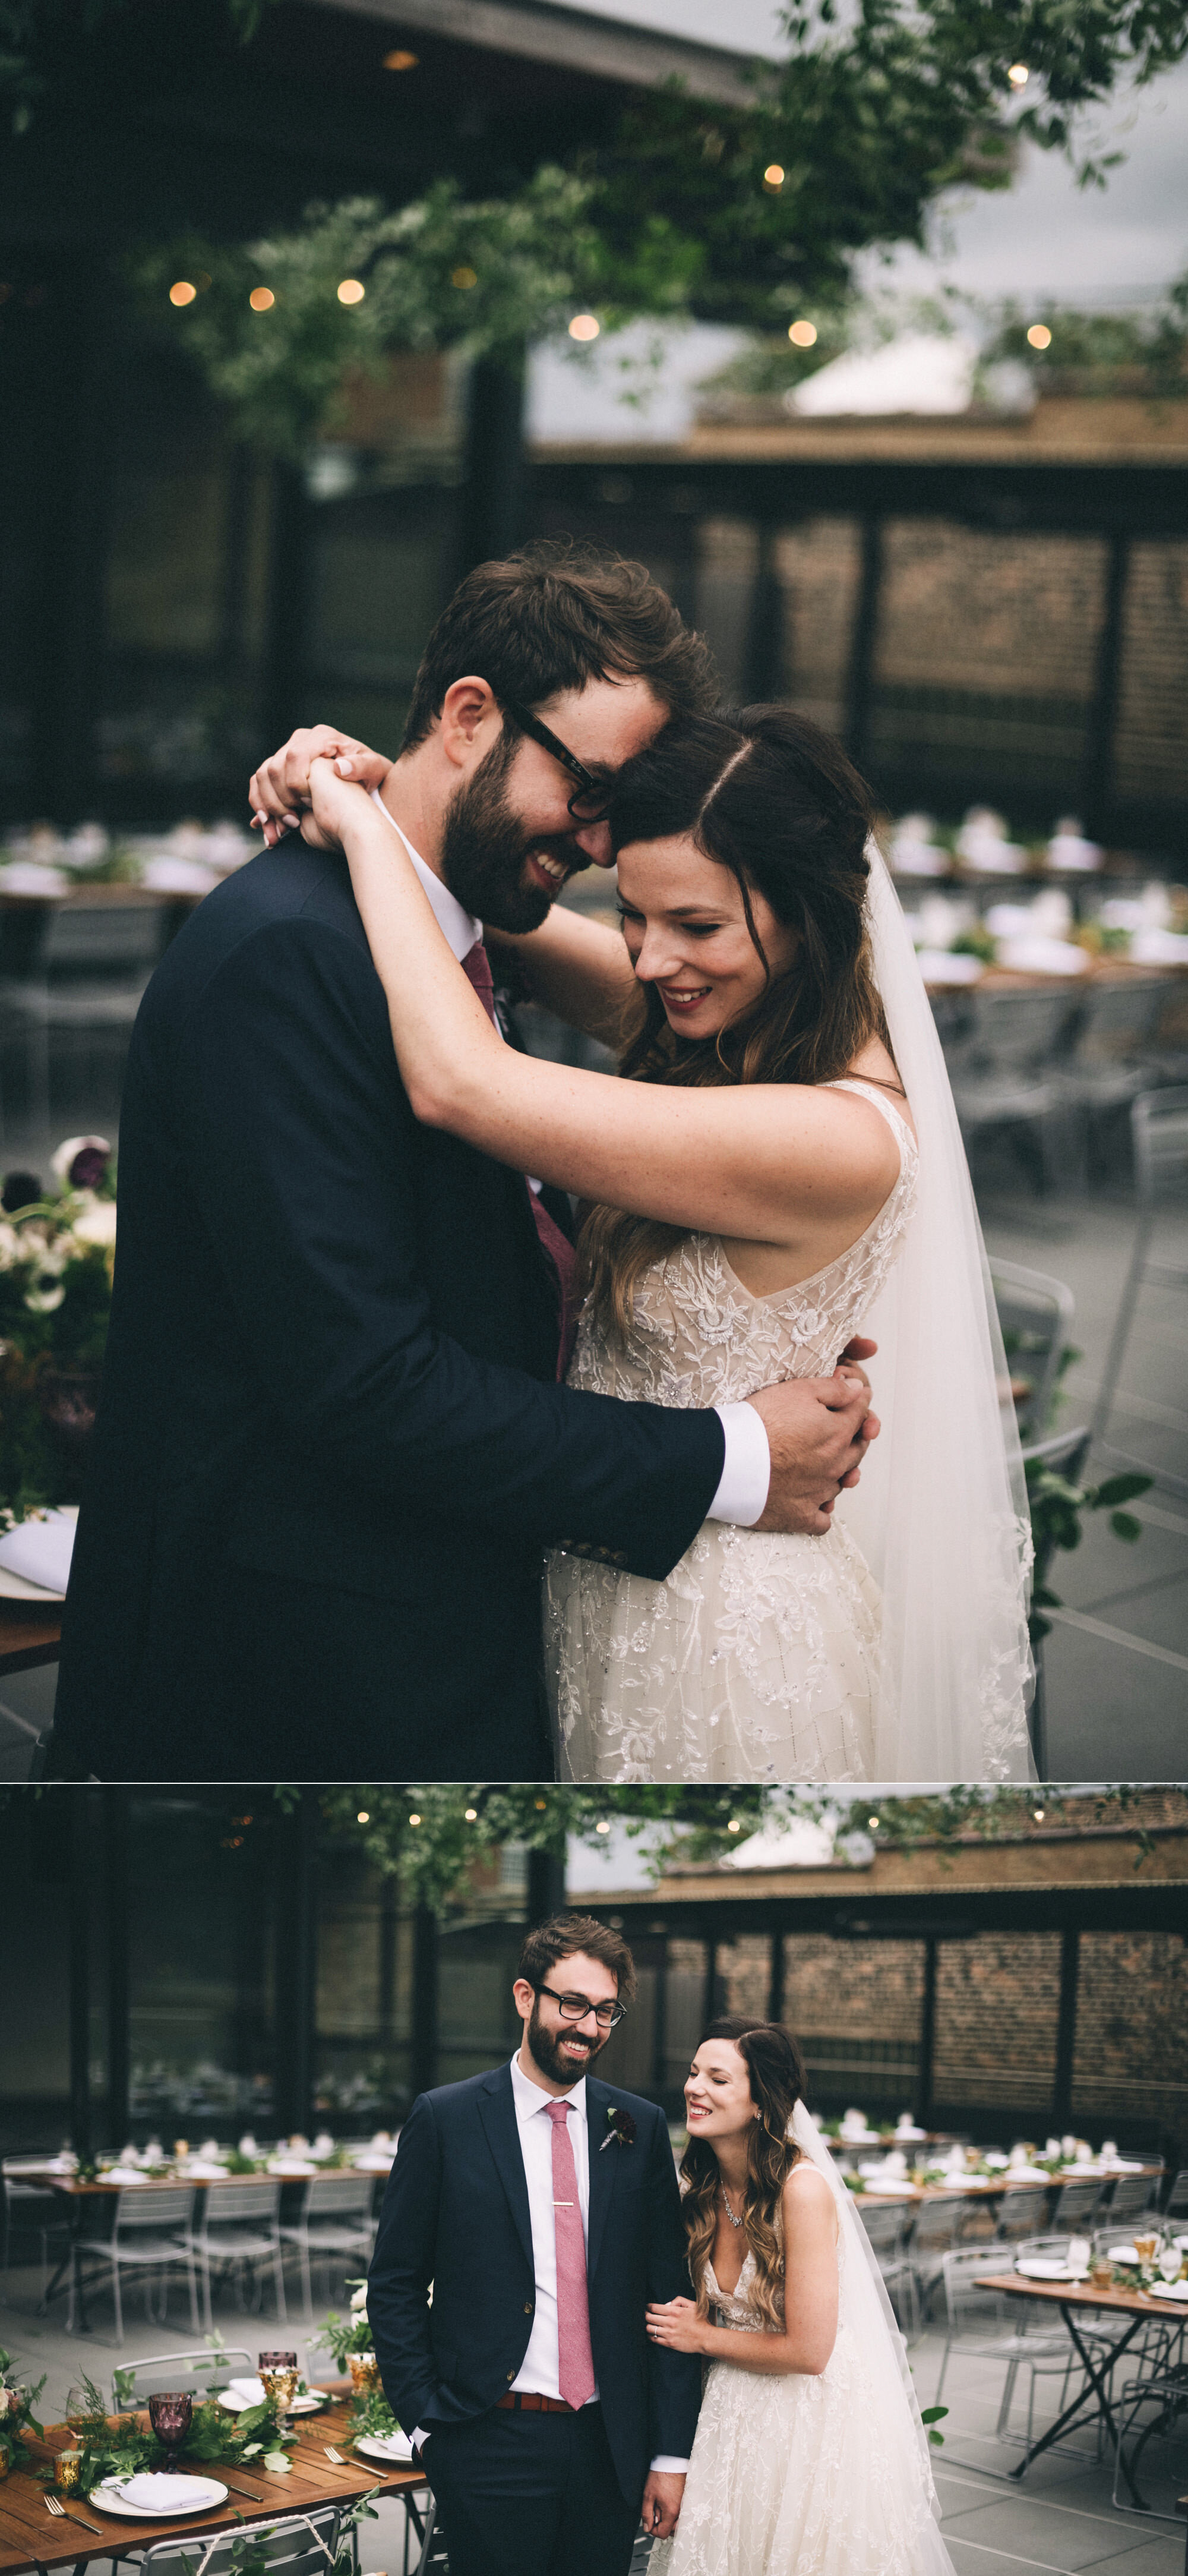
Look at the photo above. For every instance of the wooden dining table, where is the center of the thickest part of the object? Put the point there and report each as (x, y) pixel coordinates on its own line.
(32, 2537)
(1069, 2296)
(30, 1634)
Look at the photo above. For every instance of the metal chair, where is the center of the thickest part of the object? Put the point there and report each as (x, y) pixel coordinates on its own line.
(888, 2230)
(1176, 2204)
(1036, 1313)
(1162, 2389)
(1007, 1075)
(1130, 2198)
(66, 969)
(982, 2326)
(335, 2219)
(1076, 2204)
(236, 2231)
(204, 2372)
(305, 2544)
(1109, 1061)
(1022, 2212)
(1159, 1127)
(28, 2209)
(150, 2236)
(937, 2226)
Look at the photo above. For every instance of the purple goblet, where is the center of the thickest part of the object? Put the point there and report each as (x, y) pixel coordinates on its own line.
(170, 2414)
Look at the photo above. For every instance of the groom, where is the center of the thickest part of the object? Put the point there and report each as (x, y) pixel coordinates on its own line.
(331, 1447)
(540, 2207)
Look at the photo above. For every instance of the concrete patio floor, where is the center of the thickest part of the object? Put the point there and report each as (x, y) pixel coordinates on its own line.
(1058, 2520)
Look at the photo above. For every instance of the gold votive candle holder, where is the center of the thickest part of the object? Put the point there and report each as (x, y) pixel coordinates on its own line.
(364, 2370)
(68, 2471)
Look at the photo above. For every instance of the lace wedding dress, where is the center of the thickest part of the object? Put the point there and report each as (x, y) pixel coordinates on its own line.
(758, 1657)
(799, 2476)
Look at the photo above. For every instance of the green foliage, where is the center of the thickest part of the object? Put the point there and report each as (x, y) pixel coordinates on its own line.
(932, 2416)
(17, 2416)
(371, 2415)
(121, 2447)
(34, 32)
(1056, 1509)
(1100, 353)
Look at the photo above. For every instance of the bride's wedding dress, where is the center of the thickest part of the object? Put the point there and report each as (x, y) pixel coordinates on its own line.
(758, 1657)
(794, 2475)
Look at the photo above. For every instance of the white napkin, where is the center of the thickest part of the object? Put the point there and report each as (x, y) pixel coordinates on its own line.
(156, 2489)
(247, 2392)
(41, 1550)
(1159, 948)
(200, 2169)
(27, 876)
(1034, 956)
(168, 875)
(938, 967)
(126, 2174)
(885, 2182)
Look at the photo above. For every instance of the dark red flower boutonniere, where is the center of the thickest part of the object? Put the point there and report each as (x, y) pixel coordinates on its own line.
(620, 2128)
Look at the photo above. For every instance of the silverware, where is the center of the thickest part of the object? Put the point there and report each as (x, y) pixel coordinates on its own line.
(53, 2505)
(335, 2456)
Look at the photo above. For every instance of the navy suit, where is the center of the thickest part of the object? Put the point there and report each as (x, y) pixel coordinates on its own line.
(456, 2215)
(330, 1449)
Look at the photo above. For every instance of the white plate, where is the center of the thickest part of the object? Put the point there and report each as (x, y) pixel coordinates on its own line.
(1039, 2267)
(14, 1587)
(1168, 2289)
(207, 2494)
(1122, 2253)
(394, 2449)
(239, 2394)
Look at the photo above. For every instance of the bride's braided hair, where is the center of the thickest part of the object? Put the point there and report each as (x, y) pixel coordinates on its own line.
(776, 2072)
(773, 799)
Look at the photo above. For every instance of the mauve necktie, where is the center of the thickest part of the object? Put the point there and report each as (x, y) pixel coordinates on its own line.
(557, 1249)
(575, 2361)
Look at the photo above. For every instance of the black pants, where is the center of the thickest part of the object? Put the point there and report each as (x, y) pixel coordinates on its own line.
(531, 2495)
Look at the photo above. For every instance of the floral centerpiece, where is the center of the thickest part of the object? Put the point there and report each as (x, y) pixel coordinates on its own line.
(350, 2341)
(120, 2446)
(57, 1253)
(16, 2417)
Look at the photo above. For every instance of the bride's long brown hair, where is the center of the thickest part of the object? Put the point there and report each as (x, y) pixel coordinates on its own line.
(774, 799)
(776, 2072)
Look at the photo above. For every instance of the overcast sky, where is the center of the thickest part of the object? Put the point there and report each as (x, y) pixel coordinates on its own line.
(1044, 237)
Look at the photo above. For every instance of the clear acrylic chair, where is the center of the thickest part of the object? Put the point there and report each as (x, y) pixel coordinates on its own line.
(237, 2235)
(28, 2209)
(336, 2222)
(1076, 2205)
(1159, 1127)
(149, 2240)
(306, 2544)
(1007, 1077)
(985, 2325)
(888, 2230)
(1023, 2212)
(203, 2372)
(1176, 2204)
(936, 2227)
(1132, 2196)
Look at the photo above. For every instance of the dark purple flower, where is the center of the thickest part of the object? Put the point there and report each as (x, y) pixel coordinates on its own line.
(89, 1168)
(21, 1190)
(620, 2127)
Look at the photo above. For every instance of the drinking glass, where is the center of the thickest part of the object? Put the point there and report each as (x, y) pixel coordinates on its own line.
(67, 2471)
(170, 2414)
(279, 2375)
(1146, 2248)
(1079, 2251)
(1170, 2262)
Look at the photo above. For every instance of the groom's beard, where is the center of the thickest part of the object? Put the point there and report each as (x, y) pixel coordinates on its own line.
(484, 848)
(545, 2046)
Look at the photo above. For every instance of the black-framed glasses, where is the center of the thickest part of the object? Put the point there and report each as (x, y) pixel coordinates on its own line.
(579, 2007)
(591, 801)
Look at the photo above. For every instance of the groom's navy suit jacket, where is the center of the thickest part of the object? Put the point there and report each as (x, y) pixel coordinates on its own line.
(330, 1448)
(456, 2215)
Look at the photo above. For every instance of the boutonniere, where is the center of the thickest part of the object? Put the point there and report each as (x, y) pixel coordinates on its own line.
(620, 2128)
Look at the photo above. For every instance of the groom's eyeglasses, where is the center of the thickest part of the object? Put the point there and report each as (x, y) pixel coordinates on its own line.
(590, 802)
(578, 2007)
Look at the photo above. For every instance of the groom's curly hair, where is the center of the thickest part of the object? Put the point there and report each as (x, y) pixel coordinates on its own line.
(776, 2071)
(555, 616)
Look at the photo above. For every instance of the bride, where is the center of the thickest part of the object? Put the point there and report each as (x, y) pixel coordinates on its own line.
(810, 2456)
(783, 1158)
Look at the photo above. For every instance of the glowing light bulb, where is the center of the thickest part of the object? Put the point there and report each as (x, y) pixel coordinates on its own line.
(400, 61)
(1040, 336)
(261, 299)
(351, 291)
(773, 176)
(1018, 75)
(414, 1820)
(602, 1829)
(472, 1815)
(364, 1816)
(1039, 1813)
(872, 1821)
(803, 335)
(182, 292)
(734, 1826)
(584, 326)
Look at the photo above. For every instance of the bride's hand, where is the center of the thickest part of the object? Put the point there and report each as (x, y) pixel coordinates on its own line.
(333, 803)
(279, 790)
(676, 2324)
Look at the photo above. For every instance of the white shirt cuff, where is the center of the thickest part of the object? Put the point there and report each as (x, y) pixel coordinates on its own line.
(746, 1468)
(416, 2438)
(675, 2468)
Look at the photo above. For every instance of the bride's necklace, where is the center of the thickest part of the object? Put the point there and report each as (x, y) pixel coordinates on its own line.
(735, 2222)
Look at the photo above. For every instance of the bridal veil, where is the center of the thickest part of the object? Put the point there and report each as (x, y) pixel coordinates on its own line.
(941, 1511)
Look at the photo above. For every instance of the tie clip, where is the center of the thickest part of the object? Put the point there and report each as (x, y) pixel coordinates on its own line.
(562, 2204)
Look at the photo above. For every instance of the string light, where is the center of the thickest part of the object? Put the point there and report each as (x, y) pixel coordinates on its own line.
(472, 1815)
(400, 61)
(351, 291)
(872, 1821)
(364, 1816)
(182, 292)
(1039, 1813)
(1018, 75)
(464, 278)
(1039, 336)
(584, 326)
(803, 335)
(602, 1828)
(773, 176)
(734, 1826)
(414, 1820)
(261, 299)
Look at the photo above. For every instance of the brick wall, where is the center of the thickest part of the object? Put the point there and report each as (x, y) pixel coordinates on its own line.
(1151, 744)
(819, 567)
(1132, 2028)
(997, 1999)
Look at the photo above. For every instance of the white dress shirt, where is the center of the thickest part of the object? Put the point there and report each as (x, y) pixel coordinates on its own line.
(746, 1467)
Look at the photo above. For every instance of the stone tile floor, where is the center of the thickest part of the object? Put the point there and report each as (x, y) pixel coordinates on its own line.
(1058, 2521)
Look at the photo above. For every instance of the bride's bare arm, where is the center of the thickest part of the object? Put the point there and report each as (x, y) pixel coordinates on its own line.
(769, 1163)
(578, 968)
(810, 2296)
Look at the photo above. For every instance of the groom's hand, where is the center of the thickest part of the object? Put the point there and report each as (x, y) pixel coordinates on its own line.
(819, 1430)
(662, 2502)
(279, 793)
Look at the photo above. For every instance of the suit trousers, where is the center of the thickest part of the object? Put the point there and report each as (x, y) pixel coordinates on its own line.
(531, 2495)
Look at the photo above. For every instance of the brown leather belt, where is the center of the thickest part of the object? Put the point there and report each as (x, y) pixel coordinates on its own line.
(529, 2402)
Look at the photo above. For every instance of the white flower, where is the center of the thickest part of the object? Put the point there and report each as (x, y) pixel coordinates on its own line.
(68, 1153)
(43, 1300)
(359, 2301)
(12, 1249)
(94, 1220)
